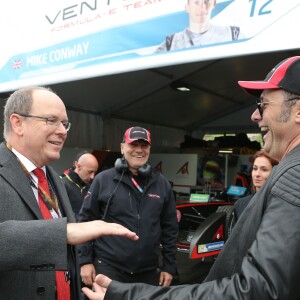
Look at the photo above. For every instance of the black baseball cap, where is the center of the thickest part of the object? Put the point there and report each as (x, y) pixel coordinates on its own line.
(136, 133)
(285, 75)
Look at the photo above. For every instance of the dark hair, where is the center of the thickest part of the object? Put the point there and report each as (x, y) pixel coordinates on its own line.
(263, 153)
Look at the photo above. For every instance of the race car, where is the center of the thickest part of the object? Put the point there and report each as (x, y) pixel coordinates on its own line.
(203, 230)
(203, 227)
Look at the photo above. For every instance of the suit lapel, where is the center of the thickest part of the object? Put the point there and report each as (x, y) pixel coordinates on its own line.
(12, 172)
(61, 194)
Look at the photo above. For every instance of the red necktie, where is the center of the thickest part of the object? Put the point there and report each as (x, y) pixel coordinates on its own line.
(62, 286)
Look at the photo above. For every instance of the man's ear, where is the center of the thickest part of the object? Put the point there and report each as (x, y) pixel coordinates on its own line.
(121, 148)
(17, 124)
(77, 165)
(297, 119)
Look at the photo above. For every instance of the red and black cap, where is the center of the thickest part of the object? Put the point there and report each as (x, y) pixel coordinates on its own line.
(285, 75)
(136, 133)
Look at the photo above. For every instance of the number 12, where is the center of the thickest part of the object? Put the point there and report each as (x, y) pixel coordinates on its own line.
(262, 10)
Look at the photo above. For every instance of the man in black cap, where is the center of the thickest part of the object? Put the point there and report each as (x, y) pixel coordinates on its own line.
(261, 259)
(136, 196)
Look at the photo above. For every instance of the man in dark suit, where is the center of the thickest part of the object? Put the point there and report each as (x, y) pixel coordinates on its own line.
(34, 250)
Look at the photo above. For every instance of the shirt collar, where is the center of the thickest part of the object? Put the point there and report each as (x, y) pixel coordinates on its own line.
(29, 165)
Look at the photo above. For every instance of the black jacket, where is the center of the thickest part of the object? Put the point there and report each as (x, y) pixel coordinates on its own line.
(151, 214)
(241, 204)
(261, 258)
(76, 190)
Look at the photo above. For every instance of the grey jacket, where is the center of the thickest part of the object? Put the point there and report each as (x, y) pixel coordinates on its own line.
(31, 248)
(260, 260)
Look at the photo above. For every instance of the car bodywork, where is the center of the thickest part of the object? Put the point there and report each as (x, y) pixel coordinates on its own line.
(203, 227)
(203, 230)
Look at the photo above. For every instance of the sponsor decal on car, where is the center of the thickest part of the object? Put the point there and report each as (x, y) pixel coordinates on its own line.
(210, 247)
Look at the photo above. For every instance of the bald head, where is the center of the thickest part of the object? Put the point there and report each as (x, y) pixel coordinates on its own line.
(86, 167)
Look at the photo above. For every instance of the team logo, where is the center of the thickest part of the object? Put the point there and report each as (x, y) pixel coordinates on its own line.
(219, 234)
(184, 170)
(153, 196)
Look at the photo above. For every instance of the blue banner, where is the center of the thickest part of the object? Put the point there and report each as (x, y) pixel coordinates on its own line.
(69, 40)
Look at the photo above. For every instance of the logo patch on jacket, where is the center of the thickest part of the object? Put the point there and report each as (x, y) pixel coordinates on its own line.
(153, 196)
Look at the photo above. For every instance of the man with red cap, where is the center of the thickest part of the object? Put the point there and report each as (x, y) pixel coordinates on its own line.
(139, 197)
(260, 260)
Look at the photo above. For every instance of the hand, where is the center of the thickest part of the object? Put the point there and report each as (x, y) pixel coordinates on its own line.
(165, 279)
(78, 233)
(88, 274)
(100, 285)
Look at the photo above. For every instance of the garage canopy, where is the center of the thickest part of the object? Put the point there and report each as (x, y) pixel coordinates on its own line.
(99, 56)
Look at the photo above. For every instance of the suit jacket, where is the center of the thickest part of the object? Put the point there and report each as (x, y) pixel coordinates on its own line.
(32, 249)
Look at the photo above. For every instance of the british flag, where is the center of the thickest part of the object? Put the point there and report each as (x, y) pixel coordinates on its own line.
(17, 64)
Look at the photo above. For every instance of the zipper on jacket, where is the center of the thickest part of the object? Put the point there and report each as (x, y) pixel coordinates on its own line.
(138, 218)
(130, 200)
(137, 211)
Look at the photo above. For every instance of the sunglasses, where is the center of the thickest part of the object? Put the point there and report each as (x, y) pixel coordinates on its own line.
(262, 102)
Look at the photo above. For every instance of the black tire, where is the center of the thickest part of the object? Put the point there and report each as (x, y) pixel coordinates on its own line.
(229, 220)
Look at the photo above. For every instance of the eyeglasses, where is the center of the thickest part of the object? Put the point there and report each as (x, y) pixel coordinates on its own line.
(262, 102)
(49, 121)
